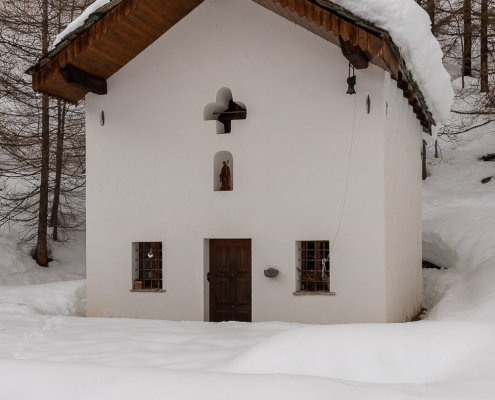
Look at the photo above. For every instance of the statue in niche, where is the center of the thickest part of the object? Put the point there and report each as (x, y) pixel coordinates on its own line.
(225, 177)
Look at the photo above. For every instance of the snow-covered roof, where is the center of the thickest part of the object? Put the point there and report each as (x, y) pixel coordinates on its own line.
(410, 28)
(79, 21)
(402, 23)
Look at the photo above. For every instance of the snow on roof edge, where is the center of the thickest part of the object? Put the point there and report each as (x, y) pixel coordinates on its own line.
(410, 28)
(408, 25)
(79, 21)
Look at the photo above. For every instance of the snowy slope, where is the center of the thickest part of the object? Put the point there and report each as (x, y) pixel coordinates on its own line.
(459, 225)
(25, 287)
(374, 353)
(458, 210)
(17, 267)
(58, 298)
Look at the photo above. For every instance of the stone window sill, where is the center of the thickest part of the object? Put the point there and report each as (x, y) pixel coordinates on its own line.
(317, 293)
(148, 290)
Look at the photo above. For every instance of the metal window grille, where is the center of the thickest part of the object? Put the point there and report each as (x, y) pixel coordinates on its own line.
(314, 266)
(149, 265)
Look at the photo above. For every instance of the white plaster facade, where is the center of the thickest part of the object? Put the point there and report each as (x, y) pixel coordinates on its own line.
(307, 158)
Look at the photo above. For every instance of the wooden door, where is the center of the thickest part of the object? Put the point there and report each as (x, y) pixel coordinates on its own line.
(230, 280)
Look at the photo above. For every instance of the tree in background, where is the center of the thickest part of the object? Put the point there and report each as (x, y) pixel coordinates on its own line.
(33, 128)
(484, 18)
(465, 30)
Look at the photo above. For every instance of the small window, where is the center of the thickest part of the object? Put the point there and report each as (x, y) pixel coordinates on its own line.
(314, 266)
(147, 266)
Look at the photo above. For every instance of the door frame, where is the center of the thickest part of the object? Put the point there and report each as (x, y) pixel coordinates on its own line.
(210, 280)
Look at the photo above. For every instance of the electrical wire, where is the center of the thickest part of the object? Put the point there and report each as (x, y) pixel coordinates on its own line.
(348, 173)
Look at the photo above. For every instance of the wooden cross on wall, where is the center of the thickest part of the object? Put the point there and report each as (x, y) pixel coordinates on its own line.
(233, 112)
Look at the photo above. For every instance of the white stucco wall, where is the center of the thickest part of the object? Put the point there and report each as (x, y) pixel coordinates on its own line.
(150, 169)
(403, 185)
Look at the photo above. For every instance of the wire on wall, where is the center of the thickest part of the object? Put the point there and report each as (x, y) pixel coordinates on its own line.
(348, 173)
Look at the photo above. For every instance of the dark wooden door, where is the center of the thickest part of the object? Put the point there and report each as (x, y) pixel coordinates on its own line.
(230, 280)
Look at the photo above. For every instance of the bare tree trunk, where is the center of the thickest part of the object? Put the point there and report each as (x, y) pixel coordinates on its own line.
(468, 42)
(436, 148)
(58, 167)
(28, 125)
(424, 161)
(42, 245)
(484, 46)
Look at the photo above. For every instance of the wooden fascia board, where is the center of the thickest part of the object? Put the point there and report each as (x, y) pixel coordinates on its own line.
(83, 43)
(331, 21)
(376, 50)
(70, 37)
(317, 14)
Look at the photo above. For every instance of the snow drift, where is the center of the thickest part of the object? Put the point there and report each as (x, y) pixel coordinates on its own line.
(18, 268)
(472, 297)
(58, 298)
(378, 353)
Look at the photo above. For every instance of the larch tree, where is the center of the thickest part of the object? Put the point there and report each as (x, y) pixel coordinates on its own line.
(34, 128)
(484, 18)
(465, 30)
(467, 52)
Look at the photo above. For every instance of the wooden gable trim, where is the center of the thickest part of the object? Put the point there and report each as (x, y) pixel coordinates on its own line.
(335, 24)
(107, 43)
(120, 30)
(81, 43)
(331, 27)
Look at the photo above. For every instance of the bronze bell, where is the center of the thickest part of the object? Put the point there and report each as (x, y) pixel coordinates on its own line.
(351, 83)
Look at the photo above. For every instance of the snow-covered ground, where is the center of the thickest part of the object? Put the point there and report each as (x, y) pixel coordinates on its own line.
(18, 268)
(47, 351)
(459, 227)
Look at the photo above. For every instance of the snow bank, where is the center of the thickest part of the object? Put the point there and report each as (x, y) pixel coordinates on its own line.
(17, 267)
(129, 342)
(410, 28)
(60, 298)
(13, 261)
(377, 353)
(472, 297)
(79, 20)
(436, 283)
(459, 225)
(31, 380)
(458, 210)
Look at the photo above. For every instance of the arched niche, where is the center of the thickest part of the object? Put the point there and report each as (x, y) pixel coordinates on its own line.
(223, 178)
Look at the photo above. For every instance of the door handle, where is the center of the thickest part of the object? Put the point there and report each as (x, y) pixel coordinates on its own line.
(208, 276)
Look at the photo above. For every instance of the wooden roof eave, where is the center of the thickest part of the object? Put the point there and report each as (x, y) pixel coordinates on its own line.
(96, 48)
(89, 43)
(347, 15)
(72, 36)
(336, 24)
